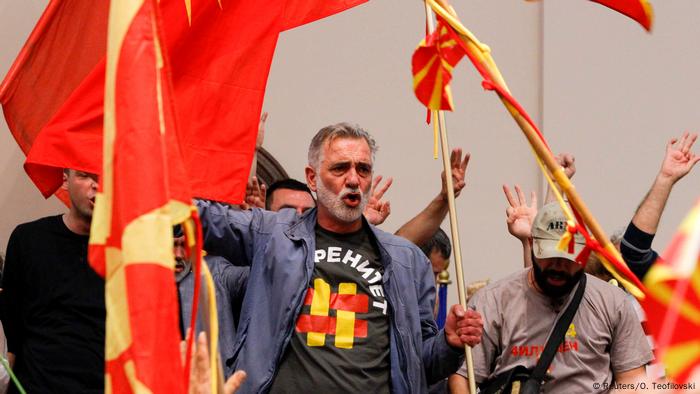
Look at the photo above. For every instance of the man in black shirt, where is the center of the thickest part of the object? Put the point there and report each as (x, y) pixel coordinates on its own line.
(52, 305)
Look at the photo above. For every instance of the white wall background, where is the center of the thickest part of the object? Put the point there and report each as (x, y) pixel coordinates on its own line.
(599, 86)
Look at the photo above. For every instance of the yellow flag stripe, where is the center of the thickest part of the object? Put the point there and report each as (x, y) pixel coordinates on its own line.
(116, 296)
(436, 96)
(420, 75)
(680, 356)
(149, 239)
(664, 294)
(213, 327)
(136, 385)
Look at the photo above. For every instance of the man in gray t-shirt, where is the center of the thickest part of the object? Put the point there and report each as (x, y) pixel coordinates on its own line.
(605, 343)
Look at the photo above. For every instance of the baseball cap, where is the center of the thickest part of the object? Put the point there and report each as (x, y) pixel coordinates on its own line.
(547, 229)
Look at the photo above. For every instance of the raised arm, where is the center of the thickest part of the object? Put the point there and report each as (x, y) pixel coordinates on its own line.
(229, 231)
(419, 229)
(636, 243)
(678, 162)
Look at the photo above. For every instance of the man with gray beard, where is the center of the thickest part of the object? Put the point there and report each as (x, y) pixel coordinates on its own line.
(334, 304)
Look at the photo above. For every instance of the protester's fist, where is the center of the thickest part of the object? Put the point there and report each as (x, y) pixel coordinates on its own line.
(463, 327)
(566, 160)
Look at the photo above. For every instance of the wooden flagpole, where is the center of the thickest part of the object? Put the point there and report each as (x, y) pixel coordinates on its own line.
(439, 118)
(541, 150)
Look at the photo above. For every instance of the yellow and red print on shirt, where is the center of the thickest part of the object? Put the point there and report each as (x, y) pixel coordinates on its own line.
(344, 326)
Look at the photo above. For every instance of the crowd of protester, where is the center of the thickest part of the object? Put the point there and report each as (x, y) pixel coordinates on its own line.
(311, 294)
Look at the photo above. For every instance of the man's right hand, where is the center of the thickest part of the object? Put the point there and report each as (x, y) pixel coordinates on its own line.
(566, 160)
(520, 215)
(459, 170)
(679, 160)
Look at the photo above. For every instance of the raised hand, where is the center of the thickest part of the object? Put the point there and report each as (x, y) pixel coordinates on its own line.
(520, 215)
(459, 170)
(261, 131)
(377, 210)
(679, 160)
(254, 194)
(200, 378)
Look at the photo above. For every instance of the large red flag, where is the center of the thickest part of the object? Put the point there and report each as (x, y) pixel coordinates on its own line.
(220, 63)
(672, 305)
(142, 194)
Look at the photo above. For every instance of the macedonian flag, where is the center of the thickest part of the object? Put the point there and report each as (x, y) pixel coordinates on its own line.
(141, 196)
(673, 302)
(432, 65)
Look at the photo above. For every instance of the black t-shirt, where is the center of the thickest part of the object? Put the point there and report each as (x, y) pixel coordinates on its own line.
(341, 340)
(53, 310)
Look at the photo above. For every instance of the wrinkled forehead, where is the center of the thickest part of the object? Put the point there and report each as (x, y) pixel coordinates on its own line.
(342, 149)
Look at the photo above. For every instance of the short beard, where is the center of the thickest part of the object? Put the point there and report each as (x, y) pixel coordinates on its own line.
(550, 290)
(335, 205)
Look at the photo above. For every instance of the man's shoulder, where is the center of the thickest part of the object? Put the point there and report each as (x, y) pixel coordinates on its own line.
(37, 226)
(511, 281)
(506, 288)
(601, 292)
(393, 240)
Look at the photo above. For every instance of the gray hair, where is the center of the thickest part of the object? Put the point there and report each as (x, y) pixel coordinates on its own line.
(339, 130)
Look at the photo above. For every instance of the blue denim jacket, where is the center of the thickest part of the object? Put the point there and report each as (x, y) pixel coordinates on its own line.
(279, 248)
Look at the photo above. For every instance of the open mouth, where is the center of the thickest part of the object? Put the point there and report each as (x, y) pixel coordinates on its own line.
(352, 199)
(179, 266)
(556, 279)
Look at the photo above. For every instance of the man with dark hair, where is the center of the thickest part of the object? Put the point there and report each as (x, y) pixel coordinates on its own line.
(332, 302)
(438, 250)
(289, 193)
(52, 305)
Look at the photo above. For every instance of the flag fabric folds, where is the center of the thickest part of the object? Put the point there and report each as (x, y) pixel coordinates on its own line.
(639, 10)
(219, 53)
(432, 64)
(49, 88)
(142, 194)
(673, 302)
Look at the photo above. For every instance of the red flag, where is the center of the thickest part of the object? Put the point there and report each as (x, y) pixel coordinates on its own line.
(142, 194)
(60, 54)
(639, 10)
(432, 65)
(673, 302)
(219, 65)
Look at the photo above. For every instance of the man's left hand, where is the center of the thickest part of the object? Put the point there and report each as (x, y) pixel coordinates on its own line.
(463, 327)
(254, 194)
(377, 210)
